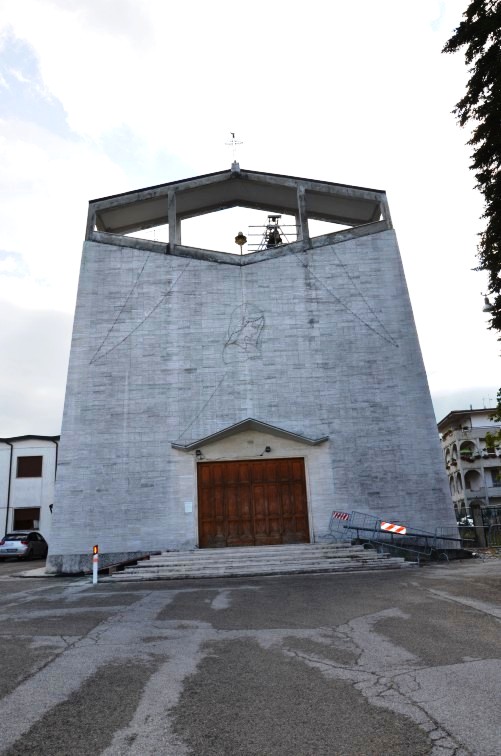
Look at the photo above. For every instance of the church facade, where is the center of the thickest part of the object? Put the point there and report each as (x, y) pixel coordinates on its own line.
(221, 400)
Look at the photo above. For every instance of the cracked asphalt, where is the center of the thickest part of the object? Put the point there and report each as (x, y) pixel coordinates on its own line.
(394, 662)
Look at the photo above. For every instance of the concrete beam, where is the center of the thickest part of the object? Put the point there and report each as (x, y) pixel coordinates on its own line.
(174, 225)
(302, 222)
(337, 203)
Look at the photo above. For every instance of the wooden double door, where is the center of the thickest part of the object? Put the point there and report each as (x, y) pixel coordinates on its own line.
(252, 503)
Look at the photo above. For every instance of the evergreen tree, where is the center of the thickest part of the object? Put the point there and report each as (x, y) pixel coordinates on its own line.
(479, 34)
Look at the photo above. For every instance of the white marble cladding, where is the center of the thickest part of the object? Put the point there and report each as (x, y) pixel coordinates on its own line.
(173, 349)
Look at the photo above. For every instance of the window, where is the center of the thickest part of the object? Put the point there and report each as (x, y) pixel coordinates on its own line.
(27, 519)
(496, 476)
(29, 467)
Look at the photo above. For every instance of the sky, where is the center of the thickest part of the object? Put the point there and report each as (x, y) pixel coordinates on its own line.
(99, 97)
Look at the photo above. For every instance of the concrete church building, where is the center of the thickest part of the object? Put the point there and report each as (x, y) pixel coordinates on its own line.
(218, 399)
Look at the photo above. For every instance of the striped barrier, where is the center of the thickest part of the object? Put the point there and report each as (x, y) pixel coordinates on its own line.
(391, 528)
(341, 515)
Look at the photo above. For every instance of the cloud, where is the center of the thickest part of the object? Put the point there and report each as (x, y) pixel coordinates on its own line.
(11, 264)
(45, 184)
(477, 397)
(180, 75)
(104, 96)
(25, 96)
(35, 348)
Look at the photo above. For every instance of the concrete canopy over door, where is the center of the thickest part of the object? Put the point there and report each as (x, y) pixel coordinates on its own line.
(252, 503)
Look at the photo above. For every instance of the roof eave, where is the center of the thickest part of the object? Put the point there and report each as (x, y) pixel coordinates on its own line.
(245, 425)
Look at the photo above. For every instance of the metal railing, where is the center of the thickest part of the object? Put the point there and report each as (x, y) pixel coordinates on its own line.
(470, 536)
(479, 536)
(365, 527)
(494, 535)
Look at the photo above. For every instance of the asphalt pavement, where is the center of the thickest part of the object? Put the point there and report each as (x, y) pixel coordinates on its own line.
(394, 662)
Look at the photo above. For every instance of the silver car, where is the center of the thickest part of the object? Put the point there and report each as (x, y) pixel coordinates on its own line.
(23, 544)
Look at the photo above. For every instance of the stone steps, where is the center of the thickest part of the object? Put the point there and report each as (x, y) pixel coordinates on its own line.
(253, 554)
(258, 560)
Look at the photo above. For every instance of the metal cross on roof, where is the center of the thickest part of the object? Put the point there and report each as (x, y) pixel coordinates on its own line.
(233, 143)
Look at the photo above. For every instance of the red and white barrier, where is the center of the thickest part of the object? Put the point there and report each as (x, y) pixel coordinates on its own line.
(391, 528)
(341, 515)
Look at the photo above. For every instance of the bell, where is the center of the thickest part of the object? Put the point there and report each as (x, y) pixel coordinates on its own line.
(487, 305)
(240, 239)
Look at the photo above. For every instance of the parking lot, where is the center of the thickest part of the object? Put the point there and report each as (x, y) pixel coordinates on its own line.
(15, 566)
(401, 662)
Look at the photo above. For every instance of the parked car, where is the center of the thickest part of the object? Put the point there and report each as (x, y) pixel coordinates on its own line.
(23, 544)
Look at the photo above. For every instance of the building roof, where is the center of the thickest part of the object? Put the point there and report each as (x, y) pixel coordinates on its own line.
(456, 414)
(148, 207)
(11, 439)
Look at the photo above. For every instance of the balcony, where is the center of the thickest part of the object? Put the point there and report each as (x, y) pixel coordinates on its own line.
(493, 492)
(484, 458)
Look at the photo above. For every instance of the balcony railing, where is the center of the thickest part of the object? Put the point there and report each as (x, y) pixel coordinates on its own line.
(493, 492)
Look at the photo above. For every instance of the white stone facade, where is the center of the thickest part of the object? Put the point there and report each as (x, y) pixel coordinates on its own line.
(172, 345)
